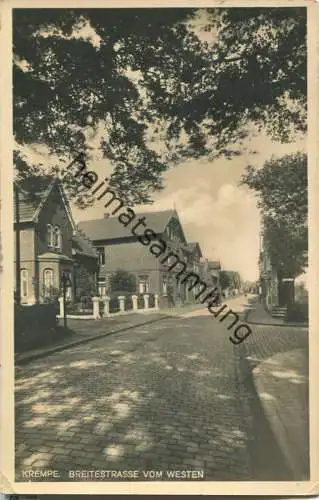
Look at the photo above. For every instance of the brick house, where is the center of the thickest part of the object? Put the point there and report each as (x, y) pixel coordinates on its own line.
(49, 243)
(118, 248)
(195, 265)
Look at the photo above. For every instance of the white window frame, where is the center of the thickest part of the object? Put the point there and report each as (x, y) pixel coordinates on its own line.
(50, 235)
(48, 287)
(102, 289)
(54, 237)
(24, 282)
(57, 238)
(101, 252)
(143, 284)
(68, 289)
(164, 285)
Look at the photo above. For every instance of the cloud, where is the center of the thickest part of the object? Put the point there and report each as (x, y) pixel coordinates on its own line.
(226, 224)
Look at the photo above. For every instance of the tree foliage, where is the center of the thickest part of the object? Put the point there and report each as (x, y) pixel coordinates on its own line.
(229, 279)
(283, 200)
(153, 85)
(122, 281)
(224, 280)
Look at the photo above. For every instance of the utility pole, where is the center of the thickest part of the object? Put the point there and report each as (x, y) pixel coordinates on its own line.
(17, 249)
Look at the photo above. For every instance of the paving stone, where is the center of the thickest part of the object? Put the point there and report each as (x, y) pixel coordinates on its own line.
(197, 417)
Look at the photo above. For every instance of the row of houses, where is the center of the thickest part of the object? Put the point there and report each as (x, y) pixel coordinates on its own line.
(51, 245)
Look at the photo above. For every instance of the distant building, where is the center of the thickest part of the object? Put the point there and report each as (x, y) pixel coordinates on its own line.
(214, 269)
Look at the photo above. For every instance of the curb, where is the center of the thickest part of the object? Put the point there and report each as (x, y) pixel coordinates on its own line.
(59, 348)
(290, 325)
(276, 423)
(261, 426)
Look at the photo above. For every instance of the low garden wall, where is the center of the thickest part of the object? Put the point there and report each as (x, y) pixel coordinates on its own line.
(109, 305)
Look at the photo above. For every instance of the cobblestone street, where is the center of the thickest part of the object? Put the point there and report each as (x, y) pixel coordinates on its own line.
(170, 395)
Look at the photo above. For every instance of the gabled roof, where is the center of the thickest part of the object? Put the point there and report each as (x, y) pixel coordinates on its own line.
(31, 200)
(111, 229)
(81, 245)
(214, 264)
(49, 256)
(193, 245)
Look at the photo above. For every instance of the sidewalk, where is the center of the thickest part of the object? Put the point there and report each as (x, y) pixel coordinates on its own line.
(256, 314)
(81, 331)
(281, 383)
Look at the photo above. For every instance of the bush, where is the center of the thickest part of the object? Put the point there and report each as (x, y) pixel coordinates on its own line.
(128, 302)
(34, 326)
(140, 301)
(297, 312)
(114, 305)
(86, 303)
(122, 281)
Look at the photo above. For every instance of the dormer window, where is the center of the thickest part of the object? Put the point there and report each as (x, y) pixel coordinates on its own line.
(54, 237)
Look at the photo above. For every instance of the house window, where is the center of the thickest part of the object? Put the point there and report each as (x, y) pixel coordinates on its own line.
(54, 237)
(24, 283)
(102, 289)
(47, 282)
(50, 235)
(101, 255)
(164, 285)
(143, 284)
(57, 243)
(68, 288)
(102, 286)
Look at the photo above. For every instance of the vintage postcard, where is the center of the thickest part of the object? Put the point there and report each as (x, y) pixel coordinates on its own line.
(159, 173)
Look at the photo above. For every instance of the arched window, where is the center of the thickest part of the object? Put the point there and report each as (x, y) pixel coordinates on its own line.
(24, 277)
(57, 238)
(47, 282)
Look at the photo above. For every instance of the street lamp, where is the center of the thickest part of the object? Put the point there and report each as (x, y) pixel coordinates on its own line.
(66, 282)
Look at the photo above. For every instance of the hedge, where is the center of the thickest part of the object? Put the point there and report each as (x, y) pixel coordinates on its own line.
(83, 307)
(297, 312)
(34, 326)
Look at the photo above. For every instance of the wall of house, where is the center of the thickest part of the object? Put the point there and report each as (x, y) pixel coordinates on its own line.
(27, 244)
(54, 213)
(56, 268)
(133, 257)
(27, 260)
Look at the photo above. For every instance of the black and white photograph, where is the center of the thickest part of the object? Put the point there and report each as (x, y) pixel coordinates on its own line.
(160, 258)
